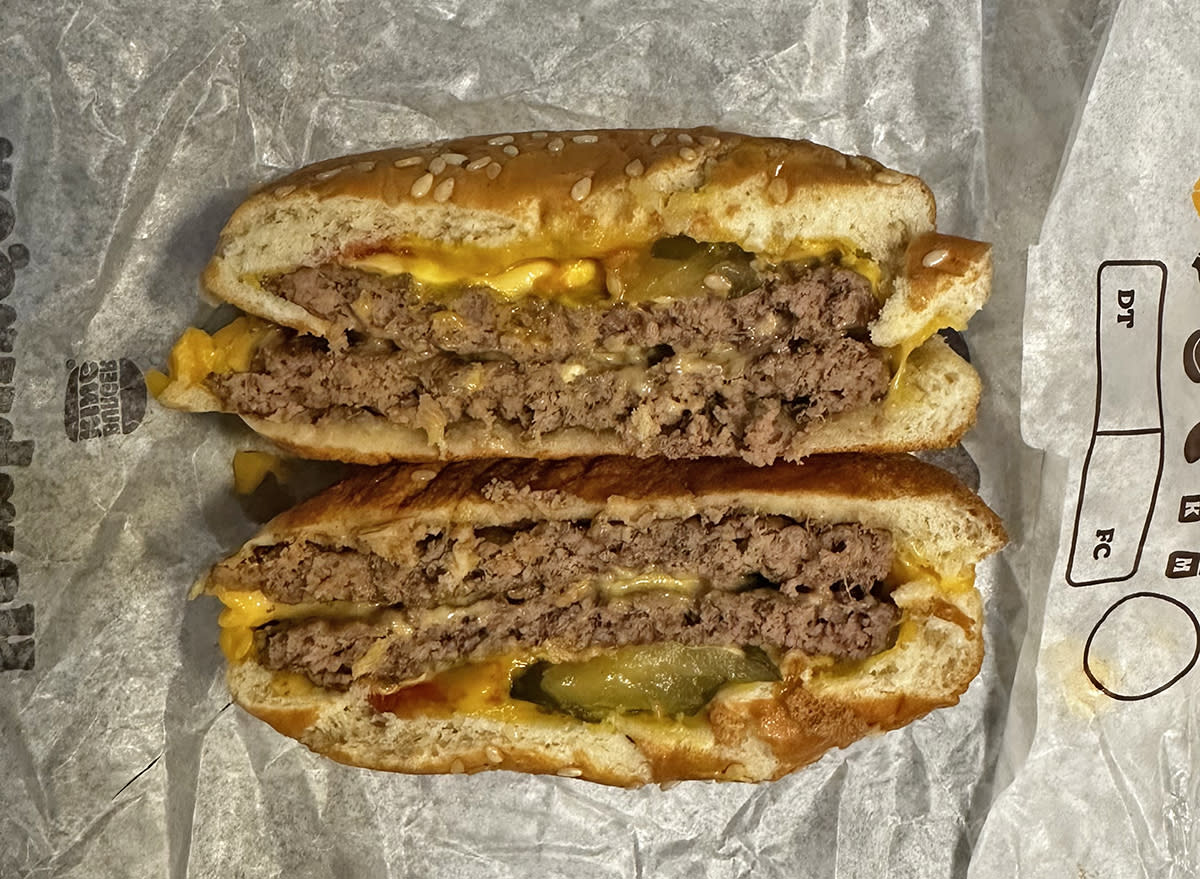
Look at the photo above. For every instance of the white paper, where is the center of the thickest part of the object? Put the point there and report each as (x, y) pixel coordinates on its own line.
(137, 128)
(1113, 295)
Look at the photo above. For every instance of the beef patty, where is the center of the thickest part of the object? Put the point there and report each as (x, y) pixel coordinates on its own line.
(472, 594)
(704, 374)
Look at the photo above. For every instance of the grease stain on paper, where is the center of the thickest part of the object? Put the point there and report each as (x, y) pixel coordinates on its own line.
(1064, 671)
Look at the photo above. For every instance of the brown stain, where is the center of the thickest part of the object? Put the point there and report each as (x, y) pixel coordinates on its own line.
(686, 764)
(800, 727)
(951, 613)
(963, 257)
(426, 699)
(291, 722)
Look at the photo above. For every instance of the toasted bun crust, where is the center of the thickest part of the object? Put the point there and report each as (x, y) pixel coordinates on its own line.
(753, 732)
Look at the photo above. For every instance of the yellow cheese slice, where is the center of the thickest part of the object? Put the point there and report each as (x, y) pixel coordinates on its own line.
(247, 610)
(627, 275)
(250, 468)
(197, 355)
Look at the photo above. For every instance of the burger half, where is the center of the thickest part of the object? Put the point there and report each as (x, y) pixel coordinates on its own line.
(547, 294)
(624, 621)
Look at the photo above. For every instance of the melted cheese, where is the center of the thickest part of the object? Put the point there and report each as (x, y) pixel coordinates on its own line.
(479, 689)
(156, 382)
(198, 355)
(840, 252)
(626, 582)
(899, 354)
(628, 275)
(909, 566)
(247, 610)
(251, 468)
(567, 280)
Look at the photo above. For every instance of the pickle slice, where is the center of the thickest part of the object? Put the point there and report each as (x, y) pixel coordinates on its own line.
(667, 680)
(679, 267)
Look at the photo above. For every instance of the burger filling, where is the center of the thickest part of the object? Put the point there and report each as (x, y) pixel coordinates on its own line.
(604, 614)
(722, 355)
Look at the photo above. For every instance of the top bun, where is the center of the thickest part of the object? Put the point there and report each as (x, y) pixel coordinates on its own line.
(584, 193)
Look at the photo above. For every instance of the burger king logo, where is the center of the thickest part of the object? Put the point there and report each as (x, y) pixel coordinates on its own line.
(104, 398)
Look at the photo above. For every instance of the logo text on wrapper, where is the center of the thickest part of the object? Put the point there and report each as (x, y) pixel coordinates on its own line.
(1113, 515)
(104, 398)
(16, 620)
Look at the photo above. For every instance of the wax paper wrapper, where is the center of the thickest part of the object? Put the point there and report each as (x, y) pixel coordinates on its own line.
(130, 130)
(1111, 391)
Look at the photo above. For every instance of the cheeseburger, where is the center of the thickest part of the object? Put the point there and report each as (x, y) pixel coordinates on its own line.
(625, 621)
(677, 293)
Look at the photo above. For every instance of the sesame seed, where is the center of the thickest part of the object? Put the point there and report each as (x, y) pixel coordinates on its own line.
(635, 168)
(281, 191)
(717, 283)
(709, 141)
(481, 162)
(457, 766)
(421, 185)
(332, 172)
(684, 138)
(889, 177)
(422, 476)
(658, 138)
(511, 150)
(555, 145)
(687, 153)
(570, 772)
(585, 138)
(453, 158)
(444, 189)
(581, 188)
(437, 166)
(364, 166)
(614, 285)
(777, 190)
(935, 258)
(539, 135)
(494, 755)
(407, 162)
(493, 171)
(500, 140)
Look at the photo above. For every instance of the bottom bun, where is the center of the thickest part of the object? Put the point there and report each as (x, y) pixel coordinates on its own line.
(931, 407)
(748, 732)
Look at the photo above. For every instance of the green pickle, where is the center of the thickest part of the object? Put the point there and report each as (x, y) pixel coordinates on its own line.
(666, 680)
(679, 266)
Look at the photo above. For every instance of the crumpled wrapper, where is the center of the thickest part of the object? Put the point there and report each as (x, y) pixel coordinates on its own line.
(1103, 741)
(130, 130)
